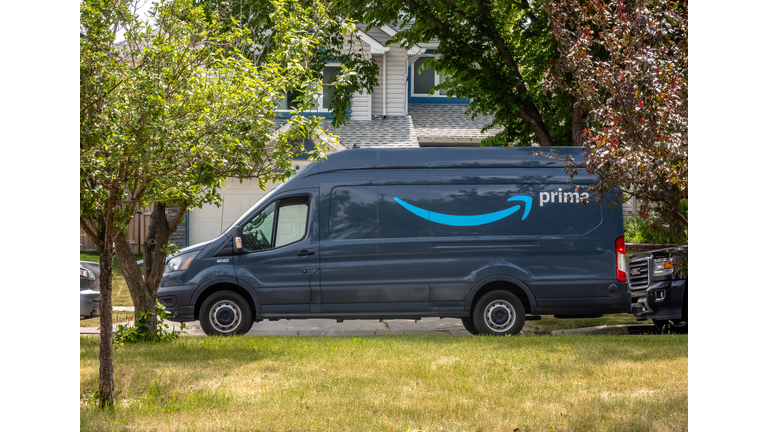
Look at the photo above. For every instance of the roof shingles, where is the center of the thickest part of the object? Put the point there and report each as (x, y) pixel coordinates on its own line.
(423, 121)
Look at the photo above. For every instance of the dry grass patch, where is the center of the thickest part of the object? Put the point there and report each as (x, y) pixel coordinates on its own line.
(117, 317)
(429, 383)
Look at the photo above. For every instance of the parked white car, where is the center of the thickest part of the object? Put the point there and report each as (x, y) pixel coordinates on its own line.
(89, 289)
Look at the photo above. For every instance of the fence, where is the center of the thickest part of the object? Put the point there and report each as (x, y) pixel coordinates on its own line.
(137, 232)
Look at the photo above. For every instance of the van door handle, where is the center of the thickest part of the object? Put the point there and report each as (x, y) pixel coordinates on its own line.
(305, 253)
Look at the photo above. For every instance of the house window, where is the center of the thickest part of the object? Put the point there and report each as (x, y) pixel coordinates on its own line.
(422, 83)
(329, 74)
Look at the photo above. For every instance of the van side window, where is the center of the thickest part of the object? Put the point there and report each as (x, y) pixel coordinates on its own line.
(291, 222)
(262, 233)
(397, 222)
(353, 213)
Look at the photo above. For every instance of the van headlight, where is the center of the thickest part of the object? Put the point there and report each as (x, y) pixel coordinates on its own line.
(663, 266)
(180, 262)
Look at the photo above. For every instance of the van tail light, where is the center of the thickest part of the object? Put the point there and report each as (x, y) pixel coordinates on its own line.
(621, 263)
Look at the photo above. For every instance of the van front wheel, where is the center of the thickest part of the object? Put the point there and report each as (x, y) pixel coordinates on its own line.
(225, 313)
(469, 325)
(499, 313)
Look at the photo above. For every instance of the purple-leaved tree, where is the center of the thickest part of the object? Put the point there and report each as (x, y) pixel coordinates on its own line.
(626, 65)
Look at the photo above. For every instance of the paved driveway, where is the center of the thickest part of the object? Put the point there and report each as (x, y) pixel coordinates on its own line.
(329, 327)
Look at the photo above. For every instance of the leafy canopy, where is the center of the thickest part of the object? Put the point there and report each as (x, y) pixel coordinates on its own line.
(174, 109)
(627, 64)
(493, 52)
(335, 33)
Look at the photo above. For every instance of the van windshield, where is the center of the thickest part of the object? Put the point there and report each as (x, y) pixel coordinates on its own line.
(266, 197)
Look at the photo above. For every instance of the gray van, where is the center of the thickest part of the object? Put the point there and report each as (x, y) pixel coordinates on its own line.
(487, 235)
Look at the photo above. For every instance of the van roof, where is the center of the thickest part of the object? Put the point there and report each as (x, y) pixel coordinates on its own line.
(448, 157)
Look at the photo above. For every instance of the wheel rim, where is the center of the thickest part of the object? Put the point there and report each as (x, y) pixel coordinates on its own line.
(225, 316)
(499, 316)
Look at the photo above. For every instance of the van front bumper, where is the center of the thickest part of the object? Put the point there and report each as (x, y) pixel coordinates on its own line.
(178, 302)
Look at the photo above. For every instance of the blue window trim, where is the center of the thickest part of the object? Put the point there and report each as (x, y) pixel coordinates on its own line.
(323, 114)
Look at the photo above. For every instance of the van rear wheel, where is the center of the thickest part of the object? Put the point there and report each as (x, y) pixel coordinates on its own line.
(499, 313)
(225, 313)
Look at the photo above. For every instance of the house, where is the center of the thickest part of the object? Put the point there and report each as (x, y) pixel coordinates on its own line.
(399, 113)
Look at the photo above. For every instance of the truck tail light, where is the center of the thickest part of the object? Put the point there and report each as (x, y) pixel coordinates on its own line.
(621, 264)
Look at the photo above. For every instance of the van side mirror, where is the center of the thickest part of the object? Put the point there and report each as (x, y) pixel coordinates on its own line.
(237, 240)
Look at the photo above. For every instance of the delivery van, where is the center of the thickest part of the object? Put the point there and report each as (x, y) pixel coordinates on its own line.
(493, 236)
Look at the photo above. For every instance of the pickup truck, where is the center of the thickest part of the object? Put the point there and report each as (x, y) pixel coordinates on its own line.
(658, 282)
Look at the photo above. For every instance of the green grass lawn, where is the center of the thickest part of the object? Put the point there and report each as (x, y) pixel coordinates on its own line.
(393, 383)
(120, 294)
(117, 317)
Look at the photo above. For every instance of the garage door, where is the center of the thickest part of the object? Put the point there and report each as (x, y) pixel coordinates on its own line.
(206, 223)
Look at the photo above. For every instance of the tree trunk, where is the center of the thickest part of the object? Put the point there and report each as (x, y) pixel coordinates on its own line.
(530, 114)
(106, 369)
(577, 127)
(143, 298)
(143, 288)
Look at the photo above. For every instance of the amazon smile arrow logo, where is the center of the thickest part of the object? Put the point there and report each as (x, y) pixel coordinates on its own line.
(455, 220)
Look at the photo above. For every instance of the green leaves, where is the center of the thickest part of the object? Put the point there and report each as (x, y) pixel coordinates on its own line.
(142, 331)
(176, 108)
(494, 53)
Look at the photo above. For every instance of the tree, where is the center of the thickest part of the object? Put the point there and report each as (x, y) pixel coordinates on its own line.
(332, 30)
(494, 52)
(170, 113)
(323, 37)
(627, 65)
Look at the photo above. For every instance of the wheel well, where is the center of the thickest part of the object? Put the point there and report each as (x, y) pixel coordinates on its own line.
(504, 286)
(224, 287)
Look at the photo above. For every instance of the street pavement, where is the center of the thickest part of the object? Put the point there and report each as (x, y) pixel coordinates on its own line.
(329, 327)
(425, 326)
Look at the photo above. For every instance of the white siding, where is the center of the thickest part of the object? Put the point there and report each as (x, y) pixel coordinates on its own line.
(360, 107)
(207, 222)
(378, 92)
(396, 75)
(630, 208)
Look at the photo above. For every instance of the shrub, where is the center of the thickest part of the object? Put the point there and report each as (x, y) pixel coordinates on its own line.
(647, 228)
(142, 331)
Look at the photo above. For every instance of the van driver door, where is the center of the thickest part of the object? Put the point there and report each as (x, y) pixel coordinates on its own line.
(281, 254)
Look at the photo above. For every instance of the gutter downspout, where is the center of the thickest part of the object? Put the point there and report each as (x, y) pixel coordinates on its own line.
(384, 108)
(407, 84)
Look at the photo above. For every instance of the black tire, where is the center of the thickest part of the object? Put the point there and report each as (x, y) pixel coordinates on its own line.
(469, 325)
(499, 313)
(678, 326)
(225, 313)
(671, 326)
